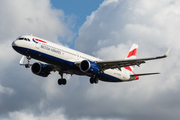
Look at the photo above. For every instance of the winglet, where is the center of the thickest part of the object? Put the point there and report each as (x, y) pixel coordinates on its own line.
(167, 53)
(22, 60)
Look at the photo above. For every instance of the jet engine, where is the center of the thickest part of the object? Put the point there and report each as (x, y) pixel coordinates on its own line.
(89, 66)
(40, 69)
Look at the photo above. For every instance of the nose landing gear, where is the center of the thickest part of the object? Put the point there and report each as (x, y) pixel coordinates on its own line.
(21, 62)
(28, 65)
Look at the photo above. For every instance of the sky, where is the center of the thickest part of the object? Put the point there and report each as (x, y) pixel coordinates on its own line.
(106, 29)
(77, 11)
(79, 8)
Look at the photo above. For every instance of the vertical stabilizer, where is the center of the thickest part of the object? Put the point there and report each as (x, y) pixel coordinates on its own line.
(132, 55)
(132, 52)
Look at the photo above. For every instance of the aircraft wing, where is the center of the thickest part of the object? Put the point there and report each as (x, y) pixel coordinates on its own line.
(103, 65)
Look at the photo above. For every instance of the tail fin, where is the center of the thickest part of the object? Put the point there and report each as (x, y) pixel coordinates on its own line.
(132, 52)
(132, 55)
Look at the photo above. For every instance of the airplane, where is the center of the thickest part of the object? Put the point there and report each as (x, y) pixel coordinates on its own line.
(62, 59)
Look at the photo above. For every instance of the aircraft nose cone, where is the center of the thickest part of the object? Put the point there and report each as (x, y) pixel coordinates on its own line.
(13, 43)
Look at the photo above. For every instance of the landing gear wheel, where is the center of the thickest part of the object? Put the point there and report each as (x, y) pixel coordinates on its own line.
(94, 79)
(27, 65)
(91, 80)
(62, 81)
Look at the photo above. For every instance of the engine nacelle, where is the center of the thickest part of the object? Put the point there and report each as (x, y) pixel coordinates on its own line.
(89, 66)
(40, 69)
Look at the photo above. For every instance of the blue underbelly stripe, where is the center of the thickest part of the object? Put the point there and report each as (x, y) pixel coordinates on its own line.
(62, 63)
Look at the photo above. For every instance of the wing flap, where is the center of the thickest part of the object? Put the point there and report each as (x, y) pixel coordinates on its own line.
(127, 62)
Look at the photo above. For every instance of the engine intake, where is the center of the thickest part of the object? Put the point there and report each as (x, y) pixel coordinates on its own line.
(40, 69)
(89, 66)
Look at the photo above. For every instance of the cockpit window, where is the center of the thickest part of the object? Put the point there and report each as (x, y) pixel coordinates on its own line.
(21, 38)
(26, 39)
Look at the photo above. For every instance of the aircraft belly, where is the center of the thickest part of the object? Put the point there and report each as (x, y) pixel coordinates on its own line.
(107, 77)
(69, 66)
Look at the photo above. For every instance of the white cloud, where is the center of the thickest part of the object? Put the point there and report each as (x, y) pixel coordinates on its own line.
(28, 115)
(5, 90)
(27, 17)
(107, 2)
(32, 17)
(109, 33)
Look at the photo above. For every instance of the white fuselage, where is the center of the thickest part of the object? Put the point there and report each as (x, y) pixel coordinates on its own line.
(64, 58)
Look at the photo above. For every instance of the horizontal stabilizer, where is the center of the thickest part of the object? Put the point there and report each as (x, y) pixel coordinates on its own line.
(144, 74)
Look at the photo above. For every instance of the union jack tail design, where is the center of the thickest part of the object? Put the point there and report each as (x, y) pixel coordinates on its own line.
(132, 55)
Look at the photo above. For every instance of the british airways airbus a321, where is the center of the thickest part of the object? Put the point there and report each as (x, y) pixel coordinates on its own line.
(56, 57)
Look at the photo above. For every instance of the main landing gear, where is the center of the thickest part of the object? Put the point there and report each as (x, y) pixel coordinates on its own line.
(94, 79)
(62, 81)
